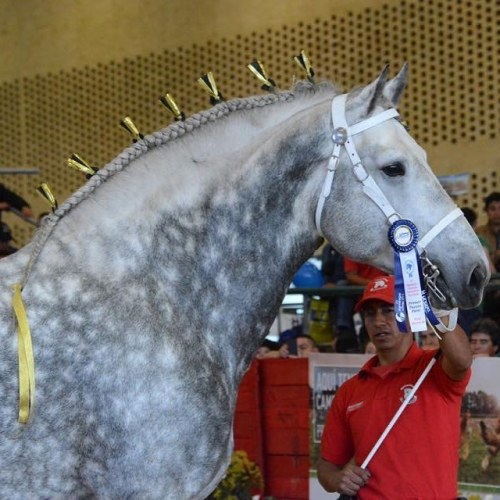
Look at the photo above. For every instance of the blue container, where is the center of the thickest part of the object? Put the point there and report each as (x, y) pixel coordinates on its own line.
(308, 276)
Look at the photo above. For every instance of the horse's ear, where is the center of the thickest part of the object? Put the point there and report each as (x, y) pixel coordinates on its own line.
(394, 88)
(370, 95)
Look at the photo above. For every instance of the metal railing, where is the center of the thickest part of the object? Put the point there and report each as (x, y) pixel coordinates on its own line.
(348, 290)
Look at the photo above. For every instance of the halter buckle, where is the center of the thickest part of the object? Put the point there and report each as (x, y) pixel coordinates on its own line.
(360, 172)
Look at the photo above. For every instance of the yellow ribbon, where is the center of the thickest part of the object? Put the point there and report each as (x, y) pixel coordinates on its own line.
(26, 358)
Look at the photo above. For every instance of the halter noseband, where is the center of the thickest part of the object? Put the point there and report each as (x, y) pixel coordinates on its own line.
(342, 136)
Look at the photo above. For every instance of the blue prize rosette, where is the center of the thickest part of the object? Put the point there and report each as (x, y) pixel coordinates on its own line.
(403, 236)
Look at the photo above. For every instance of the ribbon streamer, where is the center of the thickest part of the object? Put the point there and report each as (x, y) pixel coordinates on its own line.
(409, 303)
(26, 358)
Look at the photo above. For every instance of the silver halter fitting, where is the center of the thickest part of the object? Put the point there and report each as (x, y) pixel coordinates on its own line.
(342, 136)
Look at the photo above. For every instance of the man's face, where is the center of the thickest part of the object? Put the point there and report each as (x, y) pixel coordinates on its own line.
(429, 340)
(381, 325)
(482, 345)
(261, 352)
(493, 213)
(305, 347)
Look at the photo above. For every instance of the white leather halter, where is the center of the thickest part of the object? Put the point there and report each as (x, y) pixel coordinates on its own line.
(342, 136)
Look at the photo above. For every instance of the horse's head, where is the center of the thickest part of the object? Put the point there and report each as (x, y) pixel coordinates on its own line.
(382, 175)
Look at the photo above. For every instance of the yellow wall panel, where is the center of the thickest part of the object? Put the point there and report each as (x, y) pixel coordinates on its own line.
(72, 69)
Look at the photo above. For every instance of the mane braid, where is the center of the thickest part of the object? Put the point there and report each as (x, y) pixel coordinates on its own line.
(151, 141)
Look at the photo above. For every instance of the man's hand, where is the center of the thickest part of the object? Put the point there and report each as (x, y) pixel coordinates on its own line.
(352, 478)
(27, 212)
(346, 480)
(4, 205)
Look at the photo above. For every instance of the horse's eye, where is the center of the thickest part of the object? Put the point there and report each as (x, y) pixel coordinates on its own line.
(394, 170)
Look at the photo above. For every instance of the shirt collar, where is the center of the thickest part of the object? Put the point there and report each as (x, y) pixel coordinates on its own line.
(407, 362)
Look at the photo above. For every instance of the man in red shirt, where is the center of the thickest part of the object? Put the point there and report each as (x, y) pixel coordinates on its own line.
(360, 274)
(419, 457)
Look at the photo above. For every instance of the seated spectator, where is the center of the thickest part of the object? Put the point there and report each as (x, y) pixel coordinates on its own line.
(267, 347)
(5, 238)
(428, 340)
(485, 338)
(340, 308)
(356, 274)
(332, 266)
(491, 304)
(305, 346)
(471, 216)
(466, 317)
(300, 346)
(491, 230)
(9, 199)
(346, 342)
(360, 274)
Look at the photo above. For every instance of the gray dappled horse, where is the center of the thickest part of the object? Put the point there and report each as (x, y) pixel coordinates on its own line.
(150, 289)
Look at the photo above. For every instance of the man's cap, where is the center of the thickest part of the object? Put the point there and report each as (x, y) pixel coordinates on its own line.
(381, 288)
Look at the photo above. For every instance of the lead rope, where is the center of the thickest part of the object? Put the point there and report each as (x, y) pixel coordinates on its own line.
(400, 228)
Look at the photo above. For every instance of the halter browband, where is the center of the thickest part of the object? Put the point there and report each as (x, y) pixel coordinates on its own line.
(342, 136)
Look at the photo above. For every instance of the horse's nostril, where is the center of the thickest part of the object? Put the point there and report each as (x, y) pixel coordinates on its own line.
(477, 277)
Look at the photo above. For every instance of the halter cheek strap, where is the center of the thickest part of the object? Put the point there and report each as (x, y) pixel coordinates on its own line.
(433, 232)
(342, 136)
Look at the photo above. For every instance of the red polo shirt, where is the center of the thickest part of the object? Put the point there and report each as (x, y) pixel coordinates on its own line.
(362, 270)
(419, 457)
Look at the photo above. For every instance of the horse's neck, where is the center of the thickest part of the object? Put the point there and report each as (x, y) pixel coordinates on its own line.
(187, 173)
(213, 228)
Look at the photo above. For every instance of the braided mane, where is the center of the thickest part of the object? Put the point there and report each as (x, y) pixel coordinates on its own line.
(160, 138)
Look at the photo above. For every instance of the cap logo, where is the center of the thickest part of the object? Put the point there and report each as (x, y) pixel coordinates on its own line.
(378, 285)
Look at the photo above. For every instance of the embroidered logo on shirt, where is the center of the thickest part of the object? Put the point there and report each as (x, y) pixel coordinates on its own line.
(406, 391)
(355, 406)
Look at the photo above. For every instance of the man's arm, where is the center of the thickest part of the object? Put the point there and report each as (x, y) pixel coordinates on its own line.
(355, 279)
(9, 198)
(348, 479)
(351, 270)
(456, 353)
